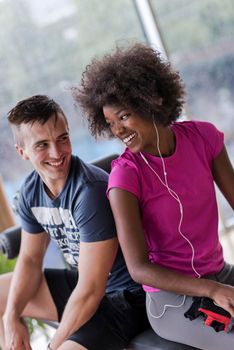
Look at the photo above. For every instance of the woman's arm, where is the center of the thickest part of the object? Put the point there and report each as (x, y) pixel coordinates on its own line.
(131, 237)
(223, 173)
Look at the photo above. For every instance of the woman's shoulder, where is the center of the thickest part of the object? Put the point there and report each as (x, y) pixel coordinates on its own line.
(126, 159)
(204, 128)
(201, 133)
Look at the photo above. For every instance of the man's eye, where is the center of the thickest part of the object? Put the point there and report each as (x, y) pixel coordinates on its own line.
(64, 138)
(41, 145)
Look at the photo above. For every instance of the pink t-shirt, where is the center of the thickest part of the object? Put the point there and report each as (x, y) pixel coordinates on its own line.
(189, 174)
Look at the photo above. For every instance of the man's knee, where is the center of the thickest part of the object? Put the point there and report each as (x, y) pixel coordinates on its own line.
(71, 345)
(41, 305)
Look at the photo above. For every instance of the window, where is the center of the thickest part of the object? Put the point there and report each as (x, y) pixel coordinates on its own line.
(45, 46)
(199, 38)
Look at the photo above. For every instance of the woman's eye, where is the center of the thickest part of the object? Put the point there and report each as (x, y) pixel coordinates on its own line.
(124, 117)
(110, 124)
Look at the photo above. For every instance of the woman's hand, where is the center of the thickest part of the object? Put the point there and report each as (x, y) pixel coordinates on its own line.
(223, 295)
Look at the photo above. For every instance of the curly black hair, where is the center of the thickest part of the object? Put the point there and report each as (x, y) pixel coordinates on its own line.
(135, 77)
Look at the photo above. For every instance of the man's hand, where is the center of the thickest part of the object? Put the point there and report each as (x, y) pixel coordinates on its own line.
(16, 334)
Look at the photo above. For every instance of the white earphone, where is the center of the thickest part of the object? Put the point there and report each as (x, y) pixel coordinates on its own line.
(176, 197)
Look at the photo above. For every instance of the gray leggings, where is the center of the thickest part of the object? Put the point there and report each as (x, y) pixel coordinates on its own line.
(172, 325)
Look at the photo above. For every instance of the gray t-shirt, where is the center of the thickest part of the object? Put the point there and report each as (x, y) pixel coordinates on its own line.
(81, 212)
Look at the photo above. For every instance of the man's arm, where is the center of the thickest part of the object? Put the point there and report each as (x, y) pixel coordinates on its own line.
(25, 282)
(95, 262)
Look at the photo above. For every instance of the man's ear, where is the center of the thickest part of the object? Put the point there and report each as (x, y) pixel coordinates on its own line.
(21, 151)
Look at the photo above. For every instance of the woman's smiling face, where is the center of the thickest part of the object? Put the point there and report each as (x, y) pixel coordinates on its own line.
(136, 133)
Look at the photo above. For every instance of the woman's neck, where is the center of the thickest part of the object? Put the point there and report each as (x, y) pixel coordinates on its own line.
(165, 141)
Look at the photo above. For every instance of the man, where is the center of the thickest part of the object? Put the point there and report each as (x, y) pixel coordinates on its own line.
(64, 199)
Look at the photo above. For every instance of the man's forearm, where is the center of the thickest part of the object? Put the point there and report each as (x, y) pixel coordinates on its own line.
(78, 311)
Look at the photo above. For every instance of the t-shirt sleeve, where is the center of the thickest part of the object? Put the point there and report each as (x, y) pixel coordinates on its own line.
(214, 139)
(93, 213)
(125, 175)
(28, 221)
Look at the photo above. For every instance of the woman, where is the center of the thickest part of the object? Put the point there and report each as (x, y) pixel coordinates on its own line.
(161, 190)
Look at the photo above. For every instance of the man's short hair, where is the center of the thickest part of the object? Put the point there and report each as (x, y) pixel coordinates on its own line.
(37, 108)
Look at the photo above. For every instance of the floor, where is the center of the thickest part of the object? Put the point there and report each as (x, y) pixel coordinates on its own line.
(39, 341)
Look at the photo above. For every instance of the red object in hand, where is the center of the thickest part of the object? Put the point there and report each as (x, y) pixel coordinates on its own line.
(213, 316)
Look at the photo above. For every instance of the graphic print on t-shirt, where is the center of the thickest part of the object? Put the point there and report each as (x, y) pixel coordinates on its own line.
(61, 226)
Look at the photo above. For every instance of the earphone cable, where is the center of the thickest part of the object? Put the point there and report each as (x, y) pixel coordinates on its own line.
(174, 195)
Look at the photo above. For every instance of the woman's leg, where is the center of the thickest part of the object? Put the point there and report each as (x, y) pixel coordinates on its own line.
(170, 323)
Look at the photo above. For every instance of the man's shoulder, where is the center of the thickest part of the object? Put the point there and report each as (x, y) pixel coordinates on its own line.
(87, 172)
(31, 182)
(29, 192)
